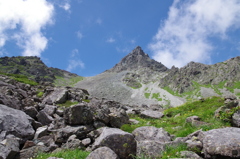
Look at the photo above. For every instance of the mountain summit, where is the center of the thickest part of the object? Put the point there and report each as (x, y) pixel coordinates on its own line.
(137, 59)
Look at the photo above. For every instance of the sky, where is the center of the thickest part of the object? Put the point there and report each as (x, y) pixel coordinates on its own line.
(87, 37)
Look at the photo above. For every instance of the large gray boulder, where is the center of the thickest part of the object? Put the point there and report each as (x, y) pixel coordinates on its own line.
(9, 148)
(58, 96)
(44, 118)
(221, 143)
(151, 133)
(151, 114)
(15, 122)
(118, 117)
(80, 114)
(102, 153)
(122, 143)
(150, 148)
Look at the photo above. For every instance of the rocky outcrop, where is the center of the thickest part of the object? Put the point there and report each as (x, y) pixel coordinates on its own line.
(122, 143)
(15, 122)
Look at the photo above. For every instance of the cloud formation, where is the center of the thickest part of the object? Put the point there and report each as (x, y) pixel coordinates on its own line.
(23, 21)
(111, 40)
(75, 61)
(185, 35)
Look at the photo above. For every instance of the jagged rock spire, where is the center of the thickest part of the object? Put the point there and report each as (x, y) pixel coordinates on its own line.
(137, 59)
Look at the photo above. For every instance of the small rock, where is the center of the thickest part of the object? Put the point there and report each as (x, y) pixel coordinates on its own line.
(102, 153)
(151, 114)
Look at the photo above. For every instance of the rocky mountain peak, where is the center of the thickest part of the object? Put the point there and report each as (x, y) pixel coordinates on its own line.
(137, 59)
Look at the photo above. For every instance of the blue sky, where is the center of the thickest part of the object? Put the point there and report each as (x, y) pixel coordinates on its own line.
(88, 37)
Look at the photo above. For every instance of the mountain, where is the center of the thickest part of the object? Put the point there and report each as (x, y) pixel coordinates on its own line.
(35, 69)
(139, 80)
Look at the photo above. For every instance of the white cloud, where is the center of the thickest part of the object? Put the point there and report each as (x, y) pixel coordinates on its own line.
(75, 61)
(73, 64)
(79, 35)
(184, 35)
(66, 6)
(111, 40)
(26, 19)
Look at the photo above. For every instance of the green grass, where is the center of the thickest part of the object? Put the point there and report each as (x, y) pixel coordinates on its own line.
(176, 125)
(147, 95)
(40, 94)
(61, 81)
(156, 96)
(21, 78)
(173, 151)
(66, 154)
(68, 103)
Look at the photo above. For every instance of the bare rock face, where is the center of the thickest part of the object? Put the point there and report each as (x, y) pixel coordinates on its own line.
(151, 133)
(122, 143)
(78, 115)
(15, 122)
(58, 96)
(102, 153)
(221, 143)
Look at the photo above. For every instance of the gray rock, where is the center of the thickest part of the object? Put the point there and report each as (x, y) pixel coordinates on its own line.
(190, 154)
(62, 135)
(133, 121)
(151, 114)
(151, 133)
(44, 118)
(32, 152)
(118, 117)
(9, 148)
(15, 122)
(236, 119)
(221, 143)
(31, 111)
(102, 153)
(41, 131)
(150, 148)
(86, 142)
(73, 143)
(58, 96)
(78, 115)
(50, 109)
(122, 143)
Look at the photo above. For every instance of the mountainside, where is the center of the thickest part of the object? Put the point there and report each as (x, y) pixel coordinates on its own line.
(34, 69)
(138, 80)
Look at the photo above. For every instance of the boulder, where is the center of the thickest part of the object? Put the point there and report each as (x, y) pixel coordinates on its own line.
(151, 133)
(151, 114)
(31, 111)
(15, 122)
(150, 148)
(50, 109)
(41, 131)
(62, 135)
(73, 143)
(78, 115)
(190, 154)
(9, 148)
(31, 152)
(118, 117)
(102, 153)
(221, 143)
(236, 119)
(44, 118)
(58, 96)
(122, 143)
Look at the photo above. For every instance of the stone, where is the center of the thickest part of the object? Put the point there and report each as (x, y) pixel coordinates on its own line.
(15, 122)
(221, 143)
(118, 118)
(50, 109)
(122, 143)
(150, 148)
(31, 111)
(86, 142)
(62, 135)
(236, 119)
(9, 148)
(73, 143)
(58, 96)
(102, 153)
(44, 118)
(41, 131)
(79, 114)
(133, 121)
(151, 133)
(28, 144)
(190, 154)
(151, 114)
(31, 152)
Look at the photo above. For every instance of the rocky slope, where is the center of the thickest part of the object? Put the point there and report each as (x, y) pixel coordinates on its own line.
(33, 68)
(139, 80)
